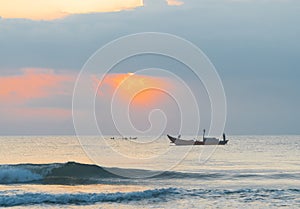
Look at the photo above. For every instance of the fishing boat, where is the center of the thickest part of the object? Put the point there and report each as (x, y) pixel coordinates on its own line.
(205, 140)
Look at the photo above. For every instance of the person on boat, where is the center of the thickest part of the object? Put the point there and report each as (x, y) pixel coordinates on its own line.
(224, 137)
(204, 135)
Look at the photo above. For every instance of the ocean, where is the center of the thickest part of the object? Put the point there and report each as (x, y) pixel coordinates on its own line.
(55, 172)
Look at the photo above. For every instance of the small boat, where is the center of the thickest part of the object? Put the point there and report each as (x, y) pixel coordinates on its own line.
(132, 137)
(205, 141)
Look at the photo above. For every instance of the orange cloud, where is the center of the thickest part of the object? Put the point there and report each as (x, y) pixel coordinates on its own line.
(137, 89)
(35, 85)
(174, 2)
(31, 84)
(53, 9)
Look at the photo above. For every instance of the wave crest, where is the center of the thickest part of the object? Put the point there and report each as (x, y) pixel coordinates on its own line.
(82, 198)
(54, 173)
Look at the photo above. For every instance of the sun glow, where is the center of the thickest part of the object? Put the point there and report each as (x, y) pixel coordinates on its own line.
(137, 89)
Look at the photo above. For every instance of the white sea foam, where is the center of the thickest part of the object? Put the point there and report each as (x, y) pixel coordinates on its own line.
(247, 195)
(10, 174)
(81, 198)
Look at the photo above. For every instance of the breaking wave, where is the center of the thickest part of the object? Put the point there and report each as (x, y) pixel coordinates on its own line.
(72, 173)
(163, 194)
(81, 198)
(55, 173)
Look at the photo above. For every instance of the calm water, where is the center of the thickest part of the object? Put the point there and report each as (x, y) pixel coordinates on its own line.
(54, 172)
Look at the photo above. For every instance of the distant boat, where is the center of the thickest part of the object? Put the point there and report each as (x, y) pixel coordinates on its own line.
(126, 138)
(205, 141)
(132, 137)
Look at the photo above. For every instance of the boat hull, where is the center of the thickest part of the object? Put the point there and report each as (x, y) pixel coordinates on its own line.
(182, 142)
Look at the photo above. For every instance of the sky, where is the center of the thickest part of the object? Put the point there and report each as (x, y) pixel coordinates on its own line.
(253, 44)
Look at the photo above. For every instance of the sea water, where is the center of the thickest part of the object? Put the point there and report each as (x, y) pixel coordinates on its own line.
(55, 172)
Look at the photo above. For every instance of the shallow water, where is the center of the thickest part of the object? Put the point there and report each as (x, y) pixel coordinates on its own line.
(54, 171)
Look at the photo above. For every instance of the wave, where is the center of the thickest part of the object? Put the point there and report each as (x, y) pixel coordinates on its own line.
(54, 173)
(72, 173)
(81, 198)
(163, 194)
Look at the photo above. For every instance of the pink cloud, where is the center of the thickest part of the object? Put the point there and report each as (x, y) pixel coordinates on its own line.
(19, 93)
(32, 84)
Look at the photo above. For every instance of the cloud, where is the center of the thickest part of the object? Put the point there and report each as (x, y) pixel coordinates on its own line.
(41, 98)
(31, 84)
(53, 9)
(174, 2)
(28, 101)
